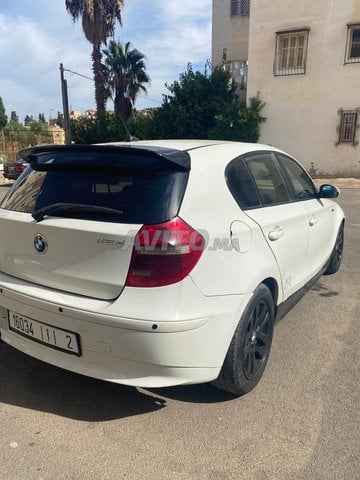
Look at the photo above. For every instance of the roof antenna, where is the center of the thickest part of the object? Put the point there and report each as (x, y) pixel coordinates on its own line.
(128, 137)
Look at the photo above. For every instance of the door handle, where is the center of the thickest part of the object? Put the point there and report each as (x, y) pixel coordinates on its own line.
(276, 234)
(313, 221)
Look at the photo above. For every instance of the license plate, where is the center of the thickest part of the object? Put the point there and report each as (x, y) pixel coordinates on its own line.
(40, 332)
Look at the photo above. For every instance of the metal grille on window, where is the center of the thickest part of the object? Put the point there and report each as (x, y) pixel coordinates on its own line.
(240, 7)
(239, 72)
(348, 126)
(291, 50)
(353, 44)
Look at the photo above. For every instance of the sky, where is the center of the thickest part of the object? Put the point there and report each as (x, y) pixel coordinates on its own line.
(37, 35)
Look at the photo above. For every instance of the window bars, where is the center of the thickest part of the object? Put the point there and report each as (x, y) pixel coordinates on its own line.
(240, 7)
(291, 52)
(348, 126)
(352, 53)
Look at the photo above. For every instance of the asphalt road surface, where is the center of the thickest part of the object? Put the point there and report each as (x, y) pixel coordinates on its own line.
(301, 422)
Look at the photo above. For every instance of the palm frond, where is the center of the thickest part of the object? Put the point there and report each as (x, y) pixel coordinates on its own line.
(98, 22)
(126, 75)
(75, 8)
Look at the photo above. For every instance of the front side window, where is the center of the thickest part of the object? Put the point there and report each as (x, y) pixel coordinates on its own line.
(352, 54)
(348, 126)
(269, 182)
(240, 7)
(301, 185)
(291, 50)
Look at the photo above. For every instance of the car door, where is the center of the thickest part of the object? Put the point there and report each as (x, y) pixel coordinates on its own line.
(320, 213)
(284, 223)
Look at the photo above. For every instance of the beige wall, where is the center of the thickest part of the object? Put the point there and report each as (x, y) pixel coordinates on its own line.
(58, 135)
(230, 33)
(302, 110)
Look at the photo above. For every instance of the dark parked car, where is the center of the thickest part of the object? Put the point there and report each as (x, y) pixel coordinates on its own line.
(13, 170)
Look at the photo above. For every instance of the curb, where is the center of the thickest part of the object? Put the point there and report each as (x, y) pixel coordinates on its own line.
(342, 183)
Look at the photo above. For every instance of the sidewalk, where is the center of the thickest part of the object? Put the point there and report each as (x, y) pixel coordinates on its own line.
(341, 183)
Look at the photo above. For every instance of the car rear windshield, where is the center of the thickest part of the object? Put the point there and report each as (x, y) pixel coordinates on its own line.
(135, 189)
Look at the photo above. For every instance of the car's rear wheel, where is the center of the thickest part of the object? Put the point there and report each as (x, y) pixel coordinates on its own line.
(250, 346)
(337, 253)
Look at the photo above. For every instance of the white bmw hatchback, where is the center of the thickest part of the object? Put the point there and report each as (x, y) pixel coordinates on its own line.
(161, 263)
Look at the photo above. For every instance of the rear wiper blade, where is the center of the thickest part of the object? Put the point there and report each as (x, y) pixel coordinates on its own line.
(54, 208)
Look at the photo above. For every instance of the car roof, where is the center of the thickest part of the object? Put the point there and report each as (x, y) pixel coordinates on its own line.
(182, 145)
(188, 145)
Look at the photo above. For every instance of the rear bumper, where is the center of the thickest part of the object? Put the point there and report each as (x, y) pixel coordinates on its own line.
(112, 368)
(129, 350)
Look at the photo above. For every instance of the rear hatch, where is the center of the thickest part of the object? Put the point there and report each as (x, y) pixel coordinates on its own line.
(70, 220)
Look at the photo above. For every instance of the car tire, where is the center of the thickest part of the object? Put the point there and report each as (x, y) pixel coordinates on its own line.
(337, 253)
(250, 346)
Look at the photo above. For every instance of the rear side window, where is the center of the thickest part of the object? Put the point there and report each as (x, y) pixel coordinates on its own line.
(268, 179)
(135, 190)
(241, 184)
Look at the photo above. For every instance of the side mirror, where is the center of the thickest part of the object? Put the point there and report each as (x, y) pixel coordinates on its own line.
(328, 191)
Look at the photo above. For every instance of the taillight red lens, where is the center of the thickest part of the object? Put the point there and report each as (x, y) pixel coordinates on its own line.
(164, 254)
(19, 168)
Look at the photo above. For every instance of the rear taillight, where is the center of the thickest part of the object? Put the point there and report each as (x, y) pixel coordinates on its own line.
(19, 168)
(164, 254)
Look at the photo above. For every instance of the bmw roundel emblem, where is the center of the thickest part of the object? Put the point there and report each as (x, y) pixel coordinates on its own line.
(40, 243)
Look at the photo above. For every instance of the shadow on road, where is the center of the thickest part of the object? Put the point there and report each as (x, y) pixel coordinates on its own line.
(203, 393)
(29, 383)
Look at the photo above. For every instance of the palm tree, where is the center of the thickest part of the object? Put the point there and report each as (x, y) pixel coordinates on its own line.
(98, 23)
(126, 77)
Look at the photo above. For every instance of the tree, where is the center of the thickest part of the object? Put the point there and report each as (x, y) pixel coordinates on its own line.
(240, 124)
(14, 118)
(3, 116)
(28, 120)
(102, 128)
(126, 76)
(141, 124)
(98, 23)
(38, 126)
(206, 106)
(60, 120)
(190, 110)
(41, 118)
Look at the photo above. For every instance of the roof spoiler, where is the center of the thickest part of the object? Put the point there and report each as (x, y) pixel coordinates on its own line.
(171, 158)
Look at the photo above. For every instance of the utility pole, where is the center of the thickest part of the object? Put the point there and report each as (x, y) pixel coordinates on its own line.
(3, 141)
(65, 102)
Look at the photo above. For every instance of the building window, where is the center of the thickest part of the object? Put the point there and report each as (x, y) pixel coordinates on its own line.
(352, 54)
(291, 52)
(240, 7)
(239, 72)
(348, 126)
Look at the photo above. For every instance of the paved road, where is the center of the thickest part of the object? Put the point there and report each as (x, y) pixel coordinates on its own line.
(301, 422)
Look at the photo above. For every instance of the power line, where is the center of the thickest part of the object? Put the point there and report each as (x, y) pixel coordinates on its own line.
(150, 98)
(91, 79)
(78, 74)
